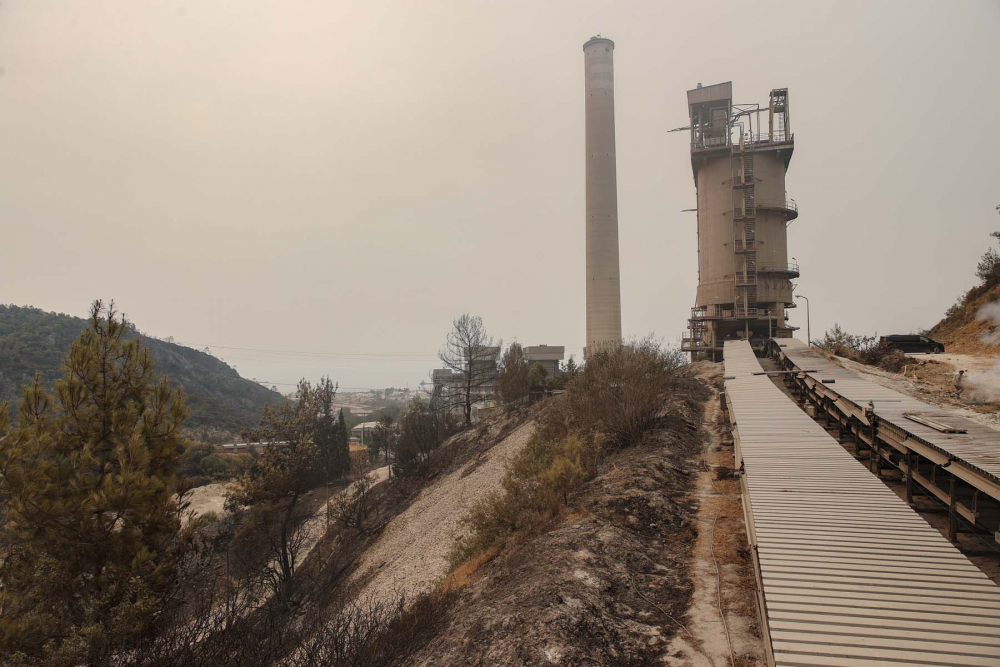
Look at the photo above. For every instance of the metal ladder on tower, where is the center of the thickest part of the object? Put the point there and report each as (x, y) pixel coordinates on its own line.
(745, 216)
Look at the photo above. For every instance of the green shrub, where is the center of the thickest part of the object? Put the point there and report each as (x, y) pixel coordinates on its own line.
(567, 471)
(535, 487)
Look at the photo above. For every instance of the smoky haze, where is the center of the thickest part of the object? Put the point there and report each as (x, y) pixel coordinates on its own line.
(348, 178)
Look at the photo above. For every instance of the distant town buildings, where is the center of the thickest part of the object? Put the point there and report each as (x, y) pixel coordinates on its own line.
(549, 356)
(448, 386)
(362, 433)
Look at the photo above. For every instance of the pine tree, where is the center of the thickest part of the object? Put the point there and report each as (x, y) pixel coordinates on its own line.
(512, 380)
(536, 377)
(326, 433)
(342, 453)
(570, 367)
(91, 530)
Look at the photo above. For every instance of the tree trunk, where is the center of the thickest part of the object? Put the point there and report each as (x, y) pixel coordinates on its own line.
(286, 559)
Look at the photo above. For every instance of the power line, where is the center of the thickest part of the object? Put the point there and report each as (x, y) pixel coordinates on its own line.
(309, 354)
(296, 384)
(317, 362)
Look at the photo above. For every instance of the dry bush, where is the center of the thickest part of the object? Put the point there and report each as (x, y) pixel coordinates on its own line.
(619, 394)
(372, 631)
(866, 350)
(512, 384)
(419, 431)
(892, 360)
(839, 342)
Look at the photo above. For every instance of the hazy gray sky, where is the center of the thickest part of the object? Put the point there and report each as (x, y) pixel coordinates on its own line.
(348, 177)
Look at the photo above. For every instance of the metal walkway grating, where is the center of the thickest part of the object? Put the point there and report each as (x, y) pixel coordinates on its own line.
(849, 574)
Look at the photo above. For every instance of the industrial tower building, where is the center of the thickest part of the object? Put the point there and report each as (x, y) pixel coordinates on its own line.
(604, 307)
(739, 155)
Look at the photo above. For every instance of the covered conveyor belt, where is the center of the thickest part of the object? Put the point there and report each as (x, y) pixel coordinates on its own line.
(953, 458)
(848, 574)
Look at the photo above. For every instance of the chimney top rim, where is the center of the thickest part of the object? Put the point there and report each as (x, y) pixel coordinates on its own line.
(598, 39)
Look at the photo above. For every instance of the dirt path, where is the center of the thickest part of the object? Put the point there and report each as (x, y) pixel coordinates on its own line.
(956, 361)
(730, 636)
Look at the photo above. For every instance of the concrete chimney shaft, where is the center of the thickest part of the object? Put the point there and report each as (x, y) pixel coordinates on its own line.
(604, 310)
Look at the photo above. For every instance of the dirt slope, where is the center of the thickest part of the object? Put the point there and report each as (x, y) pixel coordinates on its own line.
(611, 584)
(962, 331)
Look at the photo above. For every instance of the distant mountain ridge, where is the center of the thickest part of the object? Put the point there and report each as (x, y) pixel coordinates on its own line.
(33, 340)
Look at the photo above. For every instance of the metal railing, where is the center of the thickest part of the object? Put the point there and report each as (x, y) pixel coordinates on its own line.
(750, 245)
(709, 141)
(713, 138)
(718, 312)
(688, 345)
(763, 138)
(712, 311)
(743, 279)
(791, 269)
(788, 205)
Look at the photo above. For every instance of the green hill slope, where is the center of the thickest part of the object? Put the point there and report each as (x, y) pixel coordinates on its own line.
(32, 340)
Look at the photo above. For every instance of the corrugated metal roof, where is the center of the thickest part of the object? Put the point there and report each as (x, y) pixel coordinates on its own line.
(851, 575)
(978, 448)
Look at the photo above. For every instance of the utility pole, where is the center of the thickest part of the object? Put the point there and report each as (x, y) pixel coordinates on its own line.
(809, 340)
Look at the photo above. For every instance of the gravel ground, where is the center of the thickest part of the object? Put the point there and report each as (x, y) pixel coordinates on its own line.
(209, 498)
(411, 554)
(967, 361)
(936, 394)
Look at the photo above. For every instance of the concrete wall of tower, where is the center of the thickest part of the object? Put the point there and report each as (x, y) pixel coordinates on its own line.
(718, 159)
(604, 318)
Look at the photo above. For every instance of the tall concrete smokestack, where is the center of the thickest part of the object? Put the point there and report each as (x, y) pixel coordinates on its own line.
(604, 306)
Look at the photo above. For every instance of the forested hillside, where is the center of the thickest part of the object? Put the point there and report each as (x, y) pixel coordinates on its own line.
(32, 340)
